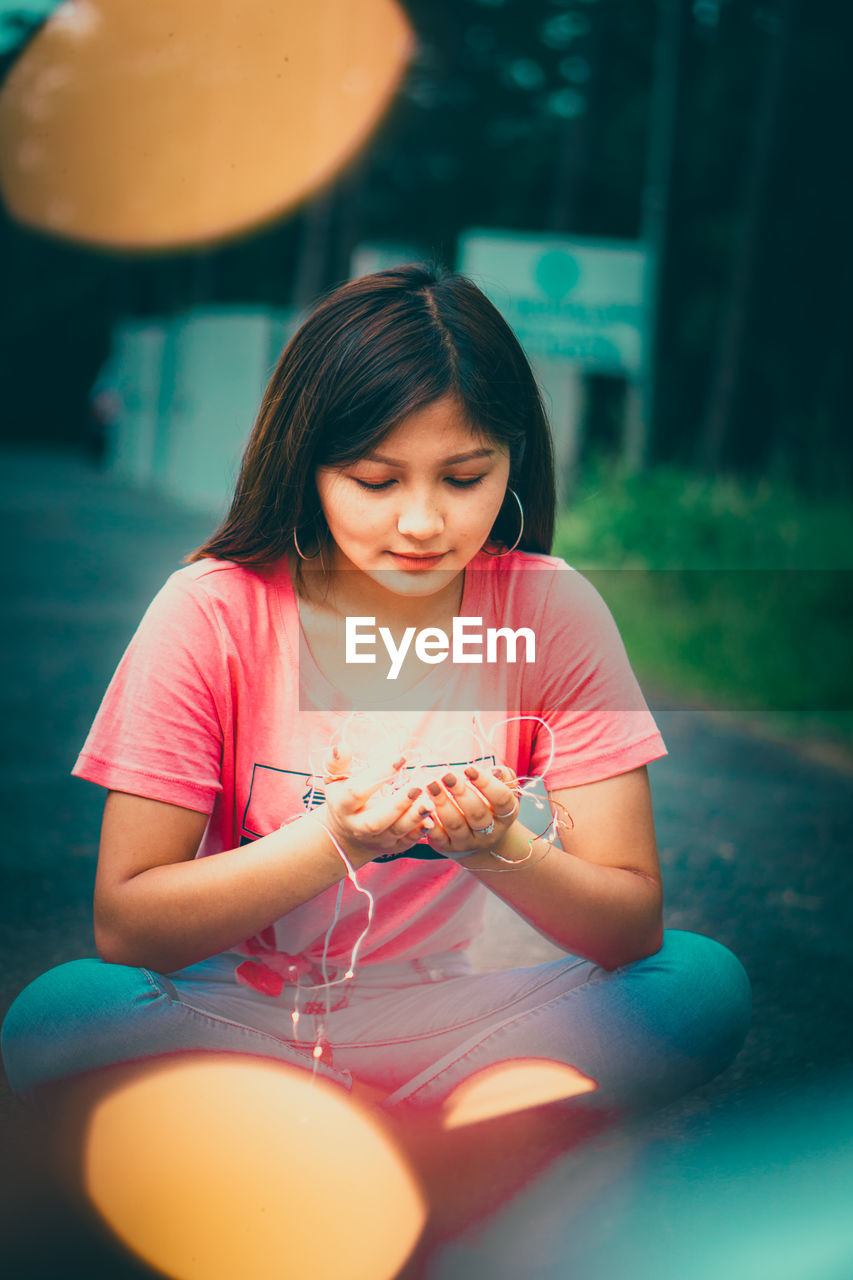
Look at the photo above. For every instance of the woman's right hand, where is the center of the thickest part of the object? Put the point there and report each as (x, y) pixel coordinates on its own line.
(372, 812)
(160, 907)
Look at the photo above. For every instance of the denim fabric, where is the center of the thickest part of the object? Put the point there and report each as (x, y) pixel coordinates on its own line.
(646, 1033)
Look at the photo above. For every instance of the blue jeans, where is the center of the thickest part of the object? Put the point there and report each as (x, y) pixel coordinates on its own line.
(647, 1032)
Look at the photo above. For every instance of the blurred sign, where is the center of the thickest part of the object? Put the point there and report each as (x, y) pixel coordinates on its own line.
(578, 299)
(183, 394)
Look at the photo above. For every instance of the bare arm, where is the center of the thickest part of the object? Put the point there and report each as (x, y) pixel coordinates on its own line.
(158, 906)
(601, 898)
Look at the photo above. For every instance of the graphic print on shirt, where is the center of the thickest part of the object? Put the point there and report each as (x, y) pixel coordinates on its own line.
(277, 796)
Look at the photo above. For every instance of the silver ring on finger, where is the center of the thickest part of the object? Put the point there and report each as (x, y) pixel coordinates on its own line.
(484, 831)
(513, 811)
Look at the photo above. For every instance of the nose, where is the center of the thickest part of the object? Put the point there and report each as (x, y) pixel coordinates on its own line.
(420, 516)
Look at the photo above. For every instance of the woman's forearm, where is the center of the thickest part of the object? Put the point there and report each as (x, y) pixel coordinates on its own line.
(173, 915)
(608, 914)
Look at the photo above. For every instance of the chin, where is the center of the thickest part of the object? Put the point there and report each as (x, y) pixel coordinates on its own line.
(415, 582)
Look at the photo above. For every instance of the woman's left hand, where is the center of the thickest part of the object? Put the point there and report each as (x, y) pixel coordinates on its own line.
(472, 812)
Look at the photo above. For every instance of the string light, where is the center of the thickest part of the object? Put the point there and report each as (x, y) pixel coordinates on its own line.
(413, 755)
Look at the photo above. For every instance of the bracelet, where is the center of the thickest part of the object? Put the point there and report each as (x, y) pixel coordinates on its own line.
(511, 863)
(499, 871)
(516, 862)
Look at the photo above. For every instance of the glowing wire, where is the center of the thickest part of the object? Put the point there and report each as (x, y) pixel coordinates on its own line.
(414, 755)
(359, 889)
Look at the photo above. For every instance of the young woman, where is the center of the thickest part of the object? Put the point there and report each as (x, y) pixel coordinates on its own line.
(298, 841)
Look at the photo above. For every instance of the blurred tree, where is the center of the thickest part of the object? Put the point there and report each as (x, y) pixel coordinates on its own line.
(799, 379)
(772, 80)
(654, 228)
(535, 115)
(793, 377)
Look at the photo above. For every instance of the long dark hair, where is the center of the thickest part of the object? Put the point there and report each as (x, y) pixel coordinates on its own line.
(372, 352)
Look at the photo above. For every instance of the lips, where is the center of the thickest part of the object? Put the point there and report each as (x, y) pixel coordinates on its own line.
(408, 561)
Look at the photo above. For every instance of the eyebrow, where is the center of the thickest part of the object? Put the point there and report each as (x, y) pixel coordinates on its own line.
(445, 462)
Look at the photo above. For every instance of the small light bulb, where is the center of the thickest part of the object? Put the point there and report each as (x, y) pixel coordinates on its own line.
(318, 1051)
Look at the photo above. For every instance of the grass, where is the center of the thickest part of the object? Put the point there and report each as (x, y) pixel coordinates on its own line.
(728, 596)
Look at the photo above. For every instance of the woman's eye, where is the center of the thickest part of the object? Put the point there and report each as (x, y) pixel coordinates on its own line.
(374, 488)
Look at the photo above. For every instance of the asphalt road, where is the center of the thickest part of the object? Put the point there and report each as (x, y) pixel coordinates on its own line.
(755, 838)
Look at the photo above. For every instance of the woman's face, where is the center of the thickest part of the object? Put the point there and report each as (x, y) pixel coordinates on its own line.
(421, 505)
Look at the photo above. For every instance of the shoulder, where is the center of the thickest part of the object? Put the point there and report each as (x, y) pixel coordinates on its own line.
(539, 583)
(222, 579)
(221, 586)
(209, 600)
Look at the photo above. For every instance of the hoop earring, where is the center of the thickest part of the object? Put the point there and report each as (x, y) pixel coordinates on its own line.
(301, 553)
(499, 554)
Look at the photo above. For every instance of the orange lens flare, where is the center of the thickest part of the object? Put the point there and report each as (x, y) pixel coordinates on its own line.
(210, 1167)
(179, 122)
(513, 1086)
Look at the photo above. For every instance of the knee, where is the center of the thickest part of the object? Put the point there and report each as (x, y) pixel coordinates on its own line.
(52, 1022)
(707, 998)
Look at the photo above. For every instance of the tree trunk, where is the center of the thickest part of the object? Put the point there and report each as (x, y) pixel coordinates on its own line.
(760, 152)
(641, 402)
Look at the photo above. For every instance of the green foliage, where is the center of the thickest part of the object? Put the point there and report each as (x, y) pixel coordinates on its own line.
(668, 518)
(730, 596)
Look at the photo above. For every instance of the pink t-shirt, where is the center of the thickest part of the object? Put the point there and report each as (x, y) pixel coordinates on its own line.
(216, 706)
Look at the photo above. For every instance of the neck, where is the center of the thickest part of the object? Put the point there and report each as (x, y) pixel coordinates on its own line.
(348, 592)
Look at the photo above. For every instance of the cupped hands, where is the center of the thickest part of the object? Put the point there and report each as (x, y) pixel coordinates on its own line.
(379, 811)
